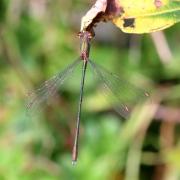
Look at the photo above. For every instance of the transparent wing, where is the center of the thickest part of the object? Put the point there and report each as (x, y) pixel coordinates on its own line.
(49, 88)
(121, 94)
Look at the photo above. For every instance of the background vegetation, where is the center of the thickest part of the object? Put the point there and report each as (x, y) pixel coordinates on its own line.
(38, 38)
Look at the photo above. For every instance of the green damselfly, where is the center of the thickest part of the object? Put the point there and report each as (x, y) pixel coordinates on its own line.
(112, 83)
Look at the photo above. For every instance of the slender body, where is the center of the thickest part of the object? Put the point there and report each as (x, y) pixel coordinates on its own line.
(85, 38)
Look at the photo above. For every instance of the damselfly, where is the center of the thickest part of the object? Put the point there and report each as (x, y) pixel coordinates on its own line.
(124, 93)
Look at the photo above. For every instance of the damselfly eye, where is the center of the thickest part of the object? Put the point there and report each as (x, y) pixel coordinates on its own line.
(80, 34)
(90, 36)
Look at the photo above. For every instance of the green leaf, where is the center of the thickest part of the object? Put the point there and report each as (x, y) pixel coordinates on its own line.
(134, 16)
(147, 16)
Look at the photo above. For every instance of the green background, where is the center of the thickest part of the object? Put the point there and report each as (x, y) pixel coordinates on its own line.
(38, 38)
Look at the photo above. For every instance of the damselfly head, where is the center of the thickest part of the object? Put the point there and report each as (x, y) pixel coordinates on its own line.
(85, 35)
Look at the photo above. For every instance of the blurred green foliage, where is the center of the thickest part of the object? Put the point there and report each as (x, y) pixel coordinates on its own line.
(38, 38)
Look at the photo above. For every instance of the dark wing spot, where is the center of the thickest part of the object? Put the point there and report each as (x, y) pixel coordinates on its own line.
(129, 22)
